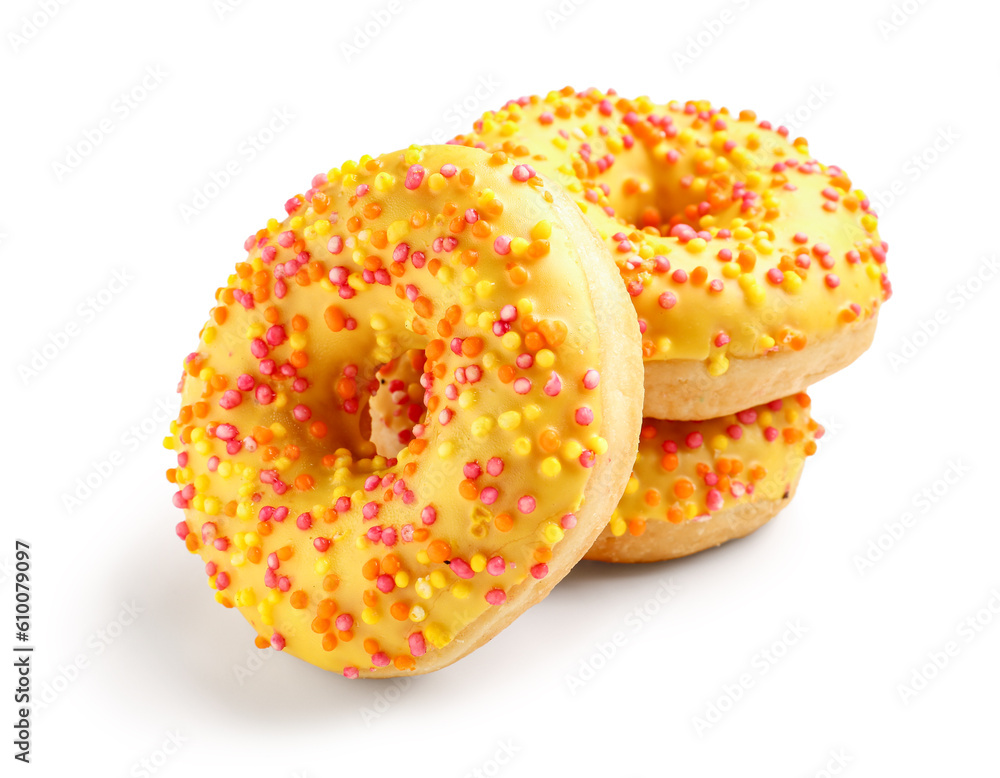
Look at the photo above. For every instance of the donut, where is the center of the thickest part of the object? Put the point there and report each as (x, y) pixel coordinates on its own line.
(698, 484)
(531, 367)
(695, 484)
(754, 269)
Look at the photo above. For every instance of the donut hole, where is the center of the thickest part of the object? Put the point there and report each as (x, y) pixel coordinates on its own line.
(398, 406)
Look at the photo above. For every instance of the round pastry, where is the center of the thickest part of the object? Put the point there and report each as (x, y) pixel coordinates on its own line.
(754, 269)
(698, 484)
(531, 366)
(695, 484)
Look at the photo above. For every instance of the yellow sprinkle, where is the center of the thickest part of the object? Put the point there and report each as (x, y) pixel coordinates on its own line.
(598, 444)
(370, 615)
(550, 467)
(571, 450)
(511, 341)
(378, 322)
(297, 341)
(436, 182)
(482, 426)
(617, 526)
(545, 358)
(484, 289)
(438, 635)
(211, 506)
(246, 597)
(322, 226)
(532, 411)
(417, 613)
(696, 245)
(398, 230)
(461, 589)
(467, 398)
(542, 230)
(402, 579)
(718, 365)
(423, 557)
(322, 566)
(384, 181)
(552, 532)
(438, 579)
(518, 246)
(522, 446)
(208, 335)
(478, 563)
(509, 420)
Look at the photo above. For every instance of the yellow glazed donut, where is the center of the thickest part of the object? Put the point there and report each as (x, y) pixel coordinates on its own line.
(769, 272)
(531, 366)
(695, 484)
(698, 484)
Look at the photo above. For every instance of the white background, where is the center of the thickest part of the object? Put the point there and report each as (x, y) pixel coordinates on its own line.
(886, 80)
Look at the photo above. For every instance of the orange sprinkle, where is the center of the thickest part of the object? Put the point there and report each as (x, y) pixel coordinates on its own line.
(503, 522)
(683, 488)
(438, 551)
(370, 569)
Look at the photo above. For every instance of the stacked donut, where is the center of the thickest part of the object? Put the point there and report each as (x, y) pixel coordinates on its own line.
(418, 401)
(754, 270)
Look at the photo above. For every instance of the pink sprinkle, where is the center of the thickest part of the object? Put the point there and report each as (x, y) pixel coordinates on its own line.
(522, 173)
(321, 544)
(713, 500)
(222, 581)
(553, 386)
(385, 584)
(694, 440)
(721, 339)
(278, 643)
(775, 276)
(370, 510)
(230, 399)
(526, 504)
(226, 432)
(568, 521)
(286, 239)
(302, 413)
(182, 530)
(496, 596)
(428, 515)
(414, 176)
(748, 416)
(275, 335)
(539, 571)
(668, 300)
(522, 385)
(496, 565)
(461, 568)
(342, 505)
(832, 280)
(591, 379)
(489, 495)
(770, 434)
(344, 622)
(584, 416)
(335, 245)
(502, 245)
(380, 659)
(304, 521)
(495, 466)
(472, 470)
(448, 170)
(418, 646)
(350, 672)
